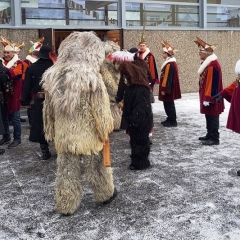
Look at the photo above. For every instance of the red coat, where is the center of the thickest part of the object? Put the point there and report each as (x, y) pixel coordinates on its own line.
(13, 98)
(210, 84)
(148, 57)
(169, 83)
(233, 122)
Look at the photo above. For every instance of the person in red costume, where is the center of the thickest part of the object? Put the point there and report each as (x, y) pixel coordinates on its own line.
(145, 54)
(210, 84)
(12, 66)
(169, 87)
(232, 94)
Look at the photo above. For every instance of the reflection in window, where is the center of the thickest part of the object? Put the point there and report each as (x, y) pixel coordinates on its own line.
(70, 12)
(219, 16)
(162, 15)
(5, 12)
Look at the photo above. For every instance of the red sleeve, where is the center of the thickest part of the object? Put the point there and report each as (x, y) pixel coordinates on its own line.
(228, 91)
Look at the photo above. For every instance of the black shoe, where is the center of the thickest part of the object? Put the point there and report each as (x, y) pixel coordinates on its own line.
(238, 172)
(164, 121)
(46, 155)
(112, 197)
(5, 141)
(23, 119)
(14, 144)
(210, 143)
(131, 167)
(205, 138)
(2, 151)
(169, 124)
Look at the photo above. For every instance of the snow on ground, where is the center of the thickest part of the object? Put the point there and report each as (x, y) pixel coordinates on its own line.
(191, 192)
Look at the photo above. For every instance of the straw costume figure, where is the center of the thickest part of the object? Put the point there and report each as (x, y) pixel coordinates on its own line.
(78, 118)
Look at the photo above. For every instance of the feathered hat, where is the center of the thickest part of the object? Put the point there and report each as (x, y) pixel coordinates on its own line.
(18, 46)
(7, 45)
(168, 48)
(143, 40)
(205, 47)
(122, 56)
(36, 45)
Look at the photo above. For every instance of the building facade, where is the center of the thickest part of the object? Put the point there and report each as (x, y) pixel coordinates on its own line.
(178, 22)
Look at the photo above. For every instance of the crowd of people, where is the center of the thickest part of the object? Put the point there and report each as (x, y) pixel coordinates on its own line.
(68, 102)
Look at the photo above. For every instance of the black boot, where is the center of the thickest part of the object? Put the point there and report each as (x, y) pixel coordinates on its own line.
(46, 154)
(2, 151)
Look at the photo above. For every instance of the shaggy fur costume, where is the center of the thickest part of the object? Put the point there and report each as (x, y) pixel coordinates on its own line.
(111, 78)
(78, 118)
(137, 111)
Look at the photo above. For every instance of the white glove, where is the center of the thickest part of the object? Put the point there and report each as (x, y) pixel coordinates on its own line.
(206, 104)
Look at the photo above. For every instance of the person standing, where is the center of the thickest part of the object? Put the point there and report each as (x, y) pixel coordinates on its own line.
(3, 80)
(210, 84)
(17, 48)
(32, 86)
(169, 87)
(145, 54)
(30, 59)
(232, 94)
(11, 107)
(137, 108)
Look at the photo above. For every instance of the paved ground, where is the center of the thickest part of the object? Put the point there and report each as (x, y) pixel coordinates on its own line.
(191, 191)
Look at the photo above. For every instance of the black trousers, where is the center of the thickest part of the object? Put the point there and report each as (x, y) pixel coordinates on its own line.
(212, 127)
(170, 111)
(140, 148)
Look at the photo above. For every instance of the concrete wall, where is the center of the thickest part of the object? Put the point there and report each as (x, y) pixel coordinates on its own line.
(228, 52)
(21, 35)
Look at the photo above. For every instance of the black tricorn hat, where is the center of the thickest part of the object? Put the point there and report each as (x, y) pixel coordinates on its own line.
(43, 52)
(133, 50)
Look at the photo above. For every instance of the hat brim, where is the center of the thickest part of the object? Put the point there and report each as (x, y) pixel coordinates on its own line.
(41, 55)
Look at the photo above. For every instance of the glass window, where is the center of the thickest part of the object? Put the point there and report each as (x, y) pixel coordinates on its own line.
(70, 12)
(184, 1)
(5, 12)
(162, 15)
(221, 16)
(223, 2)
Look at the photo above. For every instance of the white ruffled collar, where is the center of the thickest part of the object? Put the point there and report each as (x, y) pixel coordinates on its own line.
(31, 59)
(168, 60)
(145, 53)
(11, 62)
(206, 62)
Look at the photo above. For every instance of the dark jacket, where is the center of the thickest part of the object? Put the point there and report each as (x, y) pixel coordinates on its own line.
(3, 79)
(137, 110)
(32, 87)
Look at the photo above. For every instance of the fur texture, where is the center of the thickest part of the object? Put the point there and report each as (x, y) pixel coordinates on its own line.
(111, 78)
(78, 118)
(237, 67)
(135, 72)
(206, 62)
(77, 105)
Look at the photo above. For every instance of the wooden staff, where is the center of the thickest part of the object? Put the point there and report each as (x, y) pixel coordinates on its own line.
(106, 154)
